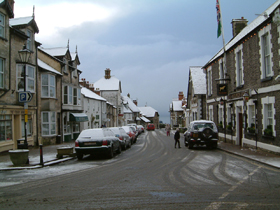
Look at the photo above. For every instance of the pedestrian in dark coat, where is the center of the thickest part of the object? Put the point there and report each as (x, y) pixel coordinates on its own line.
(177, 138)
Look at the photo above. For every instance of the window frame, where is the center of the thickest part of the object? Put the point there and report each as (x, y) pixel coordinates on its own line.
(5, 120)
(2, 70)
(29, 39)
(209, 77)
(3, 25)
(28, 79)
(50, 123)
(49, 86)
(239, 69)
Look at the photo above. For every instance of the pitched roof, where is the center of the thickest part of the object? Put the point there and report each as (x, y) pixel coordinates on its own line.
(57, 51)
(248, 29)
(89, 94)
(131, 105)
(177, 105)
(198, 80)
(108, 84)
(24, 21)
(147, 111)
(45, 66)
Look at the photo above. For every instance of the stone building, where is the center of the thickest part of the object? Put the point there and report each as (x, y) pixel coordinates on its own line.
(196, 103)
(243, 84)
(72, 110)
(149, 113)
(177, 111)
(17, 75)
(109, 87)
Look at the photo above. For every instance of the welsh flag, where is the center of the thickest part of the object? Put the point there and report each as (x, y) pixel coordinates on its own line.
(219, 19)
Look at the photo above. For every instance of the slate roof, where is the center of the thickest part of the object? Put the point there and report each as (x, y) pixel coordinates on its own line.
(45, 66)
(58, 51)
(24, 21)
(198, 80)
(108, 84)
(147, 111)
(177, 105)
(89, 94)
(131, 105)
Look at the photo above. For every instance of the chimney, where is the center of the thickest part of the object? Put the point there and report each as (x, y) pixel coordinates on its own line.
(91, 87)
(135, 102)
(238, 25)
(107, 73)
(87, 85)
(181, 96)
(83, 82)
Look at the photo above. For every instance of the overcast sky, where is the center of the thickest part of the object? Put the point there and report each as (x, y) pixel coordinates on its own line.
(148, 44)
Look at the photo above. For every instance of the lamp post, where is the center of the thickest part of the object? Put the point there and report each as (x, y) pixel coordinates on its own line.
(24, 56)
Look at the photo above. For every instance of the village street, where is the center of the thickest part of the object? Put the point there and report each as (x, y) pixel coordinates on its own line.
(149, 175)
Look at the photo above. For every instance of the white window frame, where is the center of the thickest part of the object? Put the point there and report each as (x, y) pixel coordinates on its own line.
(6, 123)
(2, 68)
(268, 114)
(209, 82)
(65, 65)
(211, 114)
(49, 86)
(221, 115)
(2, 26)
(50, 123)
(221, 71)
(266, 66)
(239, 71)
(69, 95)
(28, 81)
(29, 39)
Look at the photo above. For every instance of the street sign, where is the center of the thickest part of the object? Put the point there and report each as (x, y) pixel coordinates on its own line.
(25, 97)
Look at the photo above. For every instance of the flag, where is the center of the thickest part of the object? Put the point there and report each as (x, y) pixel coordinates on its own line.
(219, 19)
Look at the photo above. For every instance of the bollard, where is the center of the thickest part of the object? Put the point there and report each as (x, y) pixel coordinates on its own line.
(41, 155)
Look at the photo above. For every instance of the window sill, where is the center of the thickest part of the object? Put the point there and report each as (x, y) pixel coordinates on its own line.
(266, 79)
(4, 39)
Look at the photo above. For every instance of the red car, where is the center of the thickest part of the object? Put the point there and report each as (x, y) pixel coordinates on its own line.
(130, 132)
(150, 127)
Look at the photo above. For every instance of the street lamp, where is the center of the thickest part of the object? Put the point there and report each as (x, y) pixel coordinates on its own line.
(24, 56)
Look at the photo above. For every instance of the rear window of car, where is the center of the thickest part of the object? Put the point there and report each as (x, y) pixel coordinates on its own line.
(91, 133)
(201, 126)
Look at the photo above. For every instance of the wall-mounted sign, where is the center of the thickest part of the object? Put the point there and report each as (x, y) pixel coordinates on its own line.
(222, 89)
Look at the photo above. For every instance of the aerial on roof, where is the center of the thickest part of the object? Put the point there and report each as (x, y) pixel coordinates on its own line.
(198, 80)
(148, 111)
(108, 84)
(248, 29)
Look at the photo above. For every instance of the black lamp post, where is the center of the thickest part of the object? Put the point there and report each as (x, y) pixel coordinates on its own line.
(24, 56)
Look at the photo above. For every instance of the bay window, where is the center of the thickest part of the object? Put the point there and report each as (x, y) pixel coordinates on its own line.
(48, 123)
(30, 78)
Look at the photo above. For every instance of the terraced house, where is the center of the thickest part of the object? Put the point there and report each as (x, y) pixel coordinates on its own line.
(17, 73)
(243, 83)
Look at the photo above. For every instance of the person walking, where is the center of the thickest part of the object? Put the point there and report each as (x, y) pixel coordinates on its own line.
(177, 138)
(167, 128)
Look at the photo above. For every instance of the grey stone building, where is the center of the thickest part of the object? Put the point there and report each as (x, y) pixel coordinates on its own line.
(243, 84)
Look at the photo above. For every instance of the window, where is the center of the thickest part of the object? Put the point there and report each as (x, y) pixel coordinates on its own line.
(30, 78)
(48, 86)
(1, 73)
(209, 77)
(65, 94)
(268, 113)
(64, 68)
(251, 117)
(5, 127)
(66, 124)
(228, 115)
(48, 123)
(76, 127)
(211, 113)
(29, 40)
(266, 55)
(75, 95)
(239, 69)
(28, 126)
(222, 74)
(2, 25)
(70, 95)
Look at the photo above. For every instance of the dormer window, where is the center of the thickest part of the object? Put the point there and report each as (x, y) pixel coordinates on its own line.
(2, 25)
(65, 65)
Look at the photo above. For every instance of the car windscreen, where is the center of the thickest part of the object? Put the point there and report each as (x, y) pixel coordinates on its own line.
(202, 126)
(91, 133)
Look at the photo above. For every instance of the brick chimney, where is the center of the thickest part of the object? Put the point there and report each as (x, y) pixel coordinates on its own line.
(91, 87)
(107, 73)
(181, 96)
(238, 25)
(135, 102)
(83, 82)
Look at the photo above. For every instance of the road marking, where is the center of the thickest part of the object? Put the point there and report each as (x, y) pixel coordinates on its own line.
(216, 205)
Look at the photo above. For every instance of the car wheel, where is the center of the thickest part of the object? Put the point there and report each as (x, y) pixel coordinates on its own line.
(80, 156)
(111, 153)
(190, 146)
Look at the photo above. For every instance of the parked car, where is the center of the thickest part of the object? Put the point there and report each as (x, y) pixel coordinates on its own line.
(121, 134)
(97, 141)
(150, 127)
(141, 127)
(201, 132)
(136, 127)
(135, 132)
(130, 132)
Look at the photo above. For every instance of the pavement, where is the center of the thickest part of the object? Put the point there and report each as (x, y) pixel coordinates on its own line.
(50, 156)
